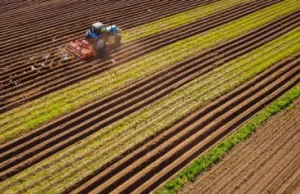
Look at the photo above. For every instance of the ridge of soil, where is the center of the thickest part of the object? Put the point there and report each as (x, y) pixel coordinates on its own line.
(43, 142)
(268, 162)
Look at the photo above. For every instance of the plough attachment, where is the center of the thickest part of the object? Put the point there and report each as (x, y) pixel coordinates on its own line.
(81, 48)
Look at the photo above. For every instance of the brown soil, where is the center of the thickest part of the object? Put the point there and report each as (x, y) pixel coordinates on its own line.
(32, 84)
(49, 139)
(268, 162)
(64, 24)
(159, 159)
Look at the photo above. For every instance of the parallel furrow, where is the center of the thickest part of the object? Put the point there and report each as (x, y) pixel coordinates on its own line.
(259, 144)
(134, 16)
(261, 148)
(33, 147)
(68, 75)
(53, 51)
(165, 35)
(155, 162)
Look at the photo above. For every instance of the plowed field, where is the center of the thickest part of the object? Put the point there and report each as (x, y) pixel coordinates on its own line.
(187, 76)
(267, 162)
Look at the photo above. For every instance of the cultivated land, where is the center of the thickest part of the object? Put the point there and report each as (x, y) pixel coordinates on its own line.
(267, 162)
(191, 80)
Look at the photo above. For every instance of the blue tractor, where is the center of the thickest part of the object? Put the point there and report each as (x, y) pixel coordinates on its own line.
(99, 40)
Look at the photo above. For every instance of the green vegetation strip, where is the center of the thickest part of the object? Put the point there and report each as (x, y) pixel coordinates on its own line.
(35, 113)
(71, 165)
(214, 154)
(177, 20)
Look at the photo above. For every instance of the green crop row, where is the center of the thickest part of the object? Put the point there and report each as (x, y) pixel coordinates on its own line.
(79, 160)
(35, 113)
(171, 22)
(217, 152)
(177, 20)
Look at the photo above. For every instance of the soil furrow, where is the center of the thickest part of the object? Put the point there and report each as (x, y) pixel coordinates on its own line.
(123, 22)
(131, 53)
(145, 171)
(66, 10)
(261, 165)
(153, 37)
(259, 162)
(63, 17)
(60, 132)
(292, 185)
(126, 8)
(249, 160)
(261, 142)
(35, 12)
(112, 13)
(62, 84)
(280, 168)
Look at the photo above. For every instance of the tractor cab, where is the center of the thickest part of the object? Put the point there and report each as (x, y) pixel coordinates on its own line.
(95, 30)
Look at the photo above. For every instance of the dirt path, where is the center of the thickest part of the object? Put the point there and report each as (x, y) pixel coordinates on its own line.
(268, 162)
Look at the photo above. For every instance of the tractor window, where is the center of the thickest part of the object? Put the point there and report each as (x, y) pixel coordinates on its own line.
(103, 29)
(95, 31)
(91, 28)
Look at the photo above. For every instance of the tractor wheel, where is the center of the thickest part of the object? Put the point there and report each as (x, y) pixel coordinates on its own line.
(101, 48)
(100, 44)
(117, 41)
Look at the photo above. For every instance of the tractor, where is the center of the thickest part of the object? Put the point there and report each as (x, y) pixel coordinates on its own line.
(99, 41)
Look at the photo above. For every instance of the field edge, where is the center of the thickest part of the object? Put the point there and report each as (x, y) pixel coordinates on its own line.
(214, 154)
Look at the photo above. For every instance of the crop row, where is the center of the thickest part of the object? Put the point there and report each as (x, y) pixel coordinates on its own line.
(160, 163)
(35, 146)
(73, 31)
(214, 154)
(87, 156)
(172, 22)
(36, 84)
(55, 57)
(44, 109)
(14, 66)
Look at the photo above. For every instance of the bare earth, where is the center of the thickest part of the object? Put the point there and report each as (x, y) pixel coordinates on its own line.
(268, 162)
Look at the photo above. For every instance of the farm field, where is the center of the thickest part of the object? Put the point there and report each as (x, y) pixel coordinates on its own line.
(272, 157)
(188, 78)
